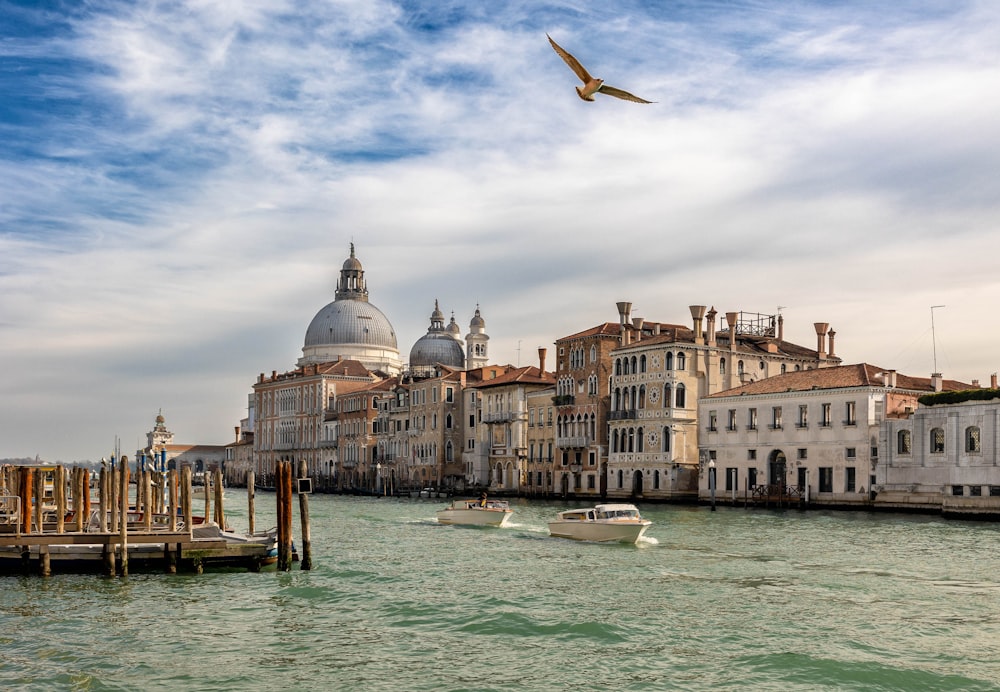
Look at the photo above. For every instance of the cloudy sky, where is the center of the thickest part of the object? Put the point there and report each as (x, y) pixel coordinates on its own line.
(181, 181)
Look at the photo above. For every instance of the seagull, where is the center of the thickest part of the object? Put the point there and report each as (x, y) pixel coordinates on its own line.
(591, 85)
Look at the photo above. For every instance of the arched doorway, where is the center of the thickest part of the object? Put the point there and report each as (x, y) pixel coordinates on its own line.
(565, 485)
(637, 484)
(776, 467)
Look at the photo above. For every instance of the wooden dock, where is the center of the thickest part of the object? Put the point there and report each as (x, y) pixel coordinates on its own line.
(47, 521)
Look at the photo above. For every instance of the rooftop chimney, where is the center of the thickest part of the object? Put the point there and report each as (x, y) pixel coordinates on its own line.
(993, 381)
(731, 321)
(624, 315)
(697, 314)
(821, 328)
(890, 378)
(637, 322)
(711, 326)
(937, 381)
(831, 334)
(541, 361)
(781, 328)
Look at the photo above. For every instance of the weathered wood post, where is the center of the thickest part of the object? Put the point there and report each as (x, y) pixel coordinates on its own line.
(186, 499)
(113, 503)
(171, 477)
(85, 478)
(250, 501)
(80, 492)
(39, 496)
(26, 488)
(306, 561)
(60, 491)
(104, 498)
(207, 487)
(284, 494)
(123, 514)
(147, 499)
(220, 516)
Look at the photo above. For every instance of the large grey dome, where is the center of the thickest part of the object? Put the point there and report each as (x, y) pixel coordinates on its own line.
(351, 328)
(350, 322)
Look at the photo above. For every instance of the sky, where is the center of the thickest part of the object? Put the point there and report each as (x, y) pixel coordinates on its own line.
(180, 182)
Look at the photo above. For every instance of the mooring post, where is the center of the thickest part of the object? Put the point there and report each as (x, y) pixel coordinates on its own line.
(147, 499)
(123, 514)
(186, 499)
(206, 479)
(284, 477)
(39, 498)
(172, 492)
(250, 507)
(306, 561)
(60, 489)
(102, 498)
(220, 514)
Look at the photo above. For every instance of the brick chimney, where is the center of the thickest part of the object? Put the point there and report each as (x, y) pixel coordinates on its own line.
(624, 315)
(831, 334)
(993, 381)
(731, 321)
(781, 327)
(637, 322)
(711, 326)
(541, 360)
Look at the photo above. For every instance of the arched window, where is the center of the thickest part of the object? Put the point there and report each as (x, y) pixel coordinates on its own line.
(621, 478)
(679, 395)
(618, 366)
(681, 362)
(448, 422)
(722, 366)
(668, 398)
(593, 354)
(614, 441)
(784, 368)
(972, 444)
(631, 439)
(656, 480)
(903, 442)
(632, 366)
(449, 452)
(937, 441)
(666, 438)
(640, 441)
(642, 396)
(668, 361)
(642, 363)
(739, 367)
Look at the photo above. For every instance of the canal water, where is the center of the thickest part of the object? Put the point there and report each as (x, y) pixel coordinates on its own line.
(732, 599)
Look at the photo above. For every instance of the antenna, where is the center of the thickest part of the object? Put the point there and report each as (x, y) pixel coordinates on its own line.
(781, 307)
(933, 337)
(518, 349)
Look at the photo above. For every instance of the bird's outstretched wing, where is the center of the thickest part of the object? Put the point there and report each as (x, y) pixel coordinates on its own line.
(573, 63)
(620, 94)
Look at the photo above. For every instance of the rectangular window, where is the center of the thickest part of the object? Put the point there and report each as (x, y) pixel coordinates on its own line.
(731, 479)
(751, 419)
(751, 478)
(591, 483)
(850, 413)
(592, 458)
(826, 479)
(851, 453)
(825, 419)
(732, 419)
(957, 490)
(995, 491)
(751, 454)
(802, 478)
(776, 418)
(803, 416)
(975, 490)
(849, 480)
(801, 453)
(712, 421)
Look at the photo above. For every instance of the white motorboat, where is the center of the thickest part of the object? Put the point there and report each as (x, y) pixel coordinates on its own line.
(476, 513)
(609, 523)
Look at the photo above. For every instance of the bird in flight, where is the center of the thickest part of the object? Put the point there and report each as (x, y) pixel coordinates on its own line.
(591, 85)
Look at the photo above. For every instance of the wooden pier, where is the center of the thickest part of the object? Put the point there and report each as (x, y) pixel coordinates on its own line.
(42, 526)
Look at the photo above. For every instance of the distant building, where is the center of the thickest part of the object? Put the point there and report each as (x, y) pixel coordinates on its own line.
(807, 434)
(161, 449)
(943, 457)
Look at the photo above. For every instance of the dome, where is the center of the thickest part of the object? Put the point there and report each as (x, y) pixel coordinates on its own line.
(350, 322)
(433, 348)
(351, 328)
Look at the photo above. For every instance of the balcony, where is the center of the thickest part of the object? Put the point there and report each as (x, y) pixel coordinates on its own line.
(563, 400)
(499, 417)
(580, 441)
(328, 444)
(630, 414)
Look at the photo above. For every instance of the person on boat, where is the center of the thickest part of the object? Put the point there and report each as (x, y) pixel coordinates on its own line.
(482, 499)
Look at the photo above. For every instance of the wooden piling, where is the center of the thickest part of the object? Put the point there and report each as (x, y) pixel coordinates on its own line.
(306, 560)
(123, 515)
(284, 498)
(39, 497)
(80, 492)
(147, 499)
(220, 516)
(26, 490)
(103, 497)
(113, 502)
(60, 491)
(207, 480)
(172, 502)
(250, 500)
(186, 498)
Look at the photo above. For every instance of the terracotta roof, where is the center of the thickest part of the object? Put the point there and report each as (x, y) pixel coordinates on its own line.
(837, 377)
(526, 375)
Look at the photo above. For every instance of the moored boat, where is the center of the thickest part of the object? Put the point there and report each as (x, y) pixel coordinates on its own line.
(607, 523)
(476, 513)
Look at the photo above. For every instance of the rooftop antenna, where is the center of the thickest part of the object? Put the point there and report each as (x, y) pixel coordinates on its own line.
(518, 349)
(933, 337)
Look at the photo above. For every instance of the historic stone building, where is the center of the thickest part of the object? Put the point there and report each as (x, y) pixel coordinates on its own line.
(539, 478)
(660, 371)
(501, 418)
(811, 434)
(161, 452)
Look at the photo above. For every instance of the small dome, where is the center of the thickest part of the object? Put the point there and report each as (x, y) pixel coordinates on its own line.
(454, 329)
(436, 347)
(477, 321)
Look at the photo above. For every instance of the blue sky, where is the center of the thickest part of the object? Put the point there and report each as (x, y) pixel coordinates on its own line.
(181, 182)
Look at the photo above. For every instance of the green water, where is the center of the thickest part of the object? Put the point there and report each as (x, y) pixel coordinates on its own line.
(733, 599)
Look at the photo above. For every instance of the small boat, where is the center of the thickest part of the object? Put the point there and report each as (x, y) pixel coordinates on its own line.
(609, 523)
(475, 513)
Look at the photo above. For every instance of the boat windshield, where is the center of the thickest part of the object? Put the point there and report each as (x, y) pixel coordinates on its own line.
(620, 514)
